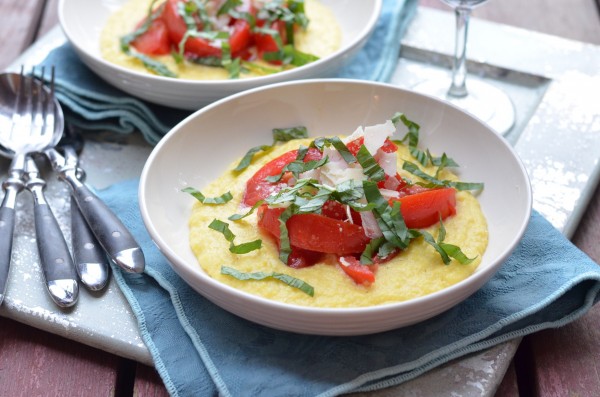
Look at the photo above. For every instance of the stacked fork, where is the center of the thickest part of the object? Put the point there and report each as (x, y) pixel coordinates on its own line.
(36, 123)
(35, 126)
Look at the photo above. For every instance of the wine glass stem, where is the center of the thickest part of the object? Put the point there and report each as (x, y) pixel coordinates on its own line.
(459, 66)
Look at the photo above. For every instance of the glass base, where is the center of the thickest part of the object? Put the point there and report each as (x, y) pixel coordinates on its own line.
(484, 101)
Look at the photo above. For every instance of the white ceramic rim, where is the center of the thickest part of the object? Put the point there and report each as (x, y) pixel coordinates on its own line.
(230, 84)
(477, 278)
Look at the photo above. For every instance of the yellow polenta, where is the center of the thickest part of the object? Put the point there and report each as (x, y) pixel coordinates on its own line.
(322, 37)
(415, 272)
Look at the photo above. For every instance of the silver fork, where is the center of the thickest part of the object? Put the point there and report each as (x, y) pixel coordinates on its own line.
(38, 125)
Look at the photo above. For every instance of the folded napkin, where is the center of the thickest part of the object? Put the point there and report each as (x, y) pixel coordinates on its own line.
(92, 104)
(200, 349)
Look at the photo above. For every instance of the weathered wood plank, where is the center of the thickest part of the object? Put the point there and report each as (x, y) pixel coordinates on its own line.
(508, 387)
(566, 360)
(17, 29)
(148, 383)
(37, 363)
(49, 19)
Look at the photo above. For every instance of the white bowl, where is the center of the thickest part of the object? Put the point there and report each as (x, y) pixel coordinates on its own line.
(82, 22)
(198, 150)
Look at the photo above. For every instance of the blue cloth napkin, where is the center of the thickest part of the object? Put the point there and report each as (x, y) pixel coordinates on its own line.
(92, 104)
(201, 350)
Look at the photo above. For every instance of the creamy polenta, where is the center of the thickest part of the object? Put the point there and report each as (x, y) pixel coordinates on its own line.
(322, 37)
(415, 272)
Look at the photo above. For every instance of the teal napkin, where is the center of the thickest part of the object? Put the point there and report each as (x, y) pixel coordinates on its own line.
(93, 105)
(202, 350)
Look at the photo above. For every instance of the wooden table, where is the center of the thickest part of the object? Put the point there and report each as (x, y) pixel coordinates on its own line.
(561, 362)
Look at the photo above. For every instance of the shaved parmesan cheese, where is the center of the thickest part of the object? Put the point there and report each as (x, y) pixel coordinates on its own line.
(312, 174)
(369, 224)
(388, 194)
(358, 133)
(387, 161)
(376, 135)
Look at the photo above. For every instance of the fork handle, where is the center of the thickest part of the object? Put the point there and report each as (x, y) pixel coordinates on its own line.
(114, 237)
(12, 186)
(57, 265)
(7, 226)
(90, 260)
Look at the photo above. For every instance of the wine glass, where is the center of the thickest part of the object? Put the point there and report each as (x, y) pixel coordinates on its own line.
(482, 100)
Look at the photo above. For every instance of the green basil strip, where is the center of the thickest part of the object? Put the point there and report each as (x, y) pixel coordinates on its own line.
(442, 231)
(388, 218)
(298, 167)
(366, 258)
(279, 135)
(247, 159)
(260, 69)
(223, 228)
(244, 248)
(434, 182)
(285, 278)
(297, 8)
(231, 65)
(128, 38)
(237, 217)
(288, 134)
(288, 194)
(285, 249)
(222, 199)
(206, 61)
(429, 239)
(186, 11)
(412, 136)
(349, 192)
(370, 167)
(456, 253)
(442, 161)
(228, 5)
(292, 56)
(343, 150)
(151, 64)
(445, 250)
(315, 203)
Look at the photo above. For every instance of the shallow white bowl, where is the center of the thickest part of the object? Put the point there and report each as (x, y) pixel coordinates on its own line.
(82, 22)
(198, 150)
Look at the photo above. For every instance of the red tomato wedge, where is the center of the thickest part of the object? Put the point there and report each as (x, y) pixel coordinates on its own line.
(354, 146)
(300, 258)
(361, 274)
(266, 43)
(239, 40)
(241, 37)
(258, 188)
(316, 232)
(155, 41)
(424, 209)
(177, 28)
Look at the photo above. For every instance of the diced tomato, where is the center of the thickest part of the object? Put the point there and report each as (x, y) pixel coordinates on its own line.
(265, 43)
(258, 188)
(424, 209)
(177, 28)
(361, 274)
(155, 41)
(316, 232)
(354, 146)
(396, 183)
(240, 37)
(300, 258)
(337, 210)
